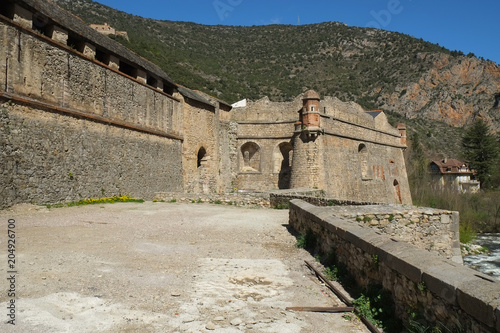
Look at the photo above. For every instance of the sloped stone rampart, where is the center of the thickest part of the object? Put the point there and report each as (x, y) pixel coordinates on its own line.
(439, 290)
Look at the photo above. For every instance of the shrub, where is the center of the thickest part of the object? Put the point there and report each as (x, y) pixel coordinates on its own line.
(307, 240)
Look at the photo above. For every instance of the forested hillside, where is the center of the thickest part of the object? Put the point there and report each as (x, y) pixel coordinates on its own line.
(408, 78)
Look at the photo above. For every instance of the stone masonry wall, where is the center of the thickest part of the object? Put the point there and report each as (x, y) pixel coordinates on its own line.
(363, 164)
(200, 130)
(228, 152)
(34, 68)
(357, 156)
(437, 289)
(430, 229)
(48, 157)
(251, 199)
(268, 168)
(75, 128)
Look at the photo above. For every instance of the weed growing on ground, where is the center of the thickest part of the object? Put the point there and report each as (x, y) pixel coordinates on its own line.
(285, 205)
(331, 273)
(307, 240)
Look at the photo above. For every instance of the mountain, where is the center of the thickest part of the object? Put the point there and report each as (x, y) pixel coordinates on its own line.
(407, 77)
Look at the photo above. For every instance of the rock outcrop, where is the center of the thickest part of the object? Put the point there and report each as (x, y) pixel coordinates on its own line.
(455, 90)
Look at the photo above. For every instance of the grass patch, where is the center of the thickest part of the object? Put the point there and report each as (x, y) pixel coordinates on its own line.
(93, 201)
(467, 233)
(284, 205)
(331, 273)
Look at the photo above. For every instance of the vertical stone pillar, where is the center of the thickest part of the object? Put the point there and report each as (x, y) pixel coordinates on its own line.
(114, 62)
(141, 75)
(22, 16)
(58, 34)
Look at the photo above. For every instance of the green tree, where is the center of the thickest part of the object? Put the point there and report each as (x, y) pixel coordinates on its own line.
(417, 168)
(480, 149)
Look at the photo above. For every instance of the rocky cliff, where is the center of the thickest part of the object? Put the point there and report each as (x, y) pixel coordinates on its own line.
(454, 90)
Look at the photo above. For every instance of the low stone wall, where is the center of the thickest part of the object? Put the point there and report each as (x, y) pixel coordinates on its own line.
(312, 196)
(437, 289)
(435, 230)
(255, 199)
(430, 229)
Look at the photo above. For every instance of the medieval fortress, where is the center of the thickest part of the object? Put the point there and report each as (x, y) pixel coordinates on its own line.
(82, 116)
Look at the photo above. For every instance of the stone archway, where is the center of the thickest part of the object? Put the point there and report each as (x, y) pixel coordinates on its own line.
(283, 162)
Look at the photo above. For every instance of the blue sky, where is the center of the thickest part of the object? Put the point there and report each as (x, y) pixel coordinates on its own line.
(465, 25)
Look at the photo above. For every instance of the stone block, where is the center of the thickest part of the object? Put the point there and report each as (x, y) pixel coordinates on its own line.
(480, 298)
(141, 75)
(445, 219)
(443, 278)
(89, 50)
(405, 260)
(58, 34)
(22, 16)
(159, 85)
(114, 62)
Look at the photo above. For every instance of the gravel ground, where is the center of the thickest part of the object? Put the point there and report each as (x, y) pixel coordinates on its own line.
(161, 267)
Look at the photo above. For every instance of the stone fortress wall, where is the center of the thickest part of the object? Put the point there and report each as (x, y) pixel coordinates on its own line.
(355, 155)
(82, 116)
(73, 127)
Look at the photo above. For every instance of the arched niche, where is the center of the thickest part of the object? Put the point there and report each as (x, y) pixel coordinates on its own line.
(250, 157)
(363, 161)
(201, 157)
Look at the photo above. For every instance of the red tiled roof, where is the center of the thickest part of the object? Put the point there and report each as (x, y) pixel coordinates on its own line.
(451, 165)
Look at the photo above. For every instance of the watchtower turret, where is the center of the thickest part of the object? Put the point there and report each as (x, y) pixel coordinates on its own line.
(308, 162)
(309, 118)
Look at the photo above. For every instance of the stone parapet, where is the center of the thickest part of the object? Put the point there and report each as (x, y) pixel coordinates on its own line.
(430, 229)
(438, 290)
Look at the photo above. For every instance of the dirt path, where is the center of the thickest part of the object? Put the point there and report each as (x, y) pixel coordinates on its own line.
(160, 267)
